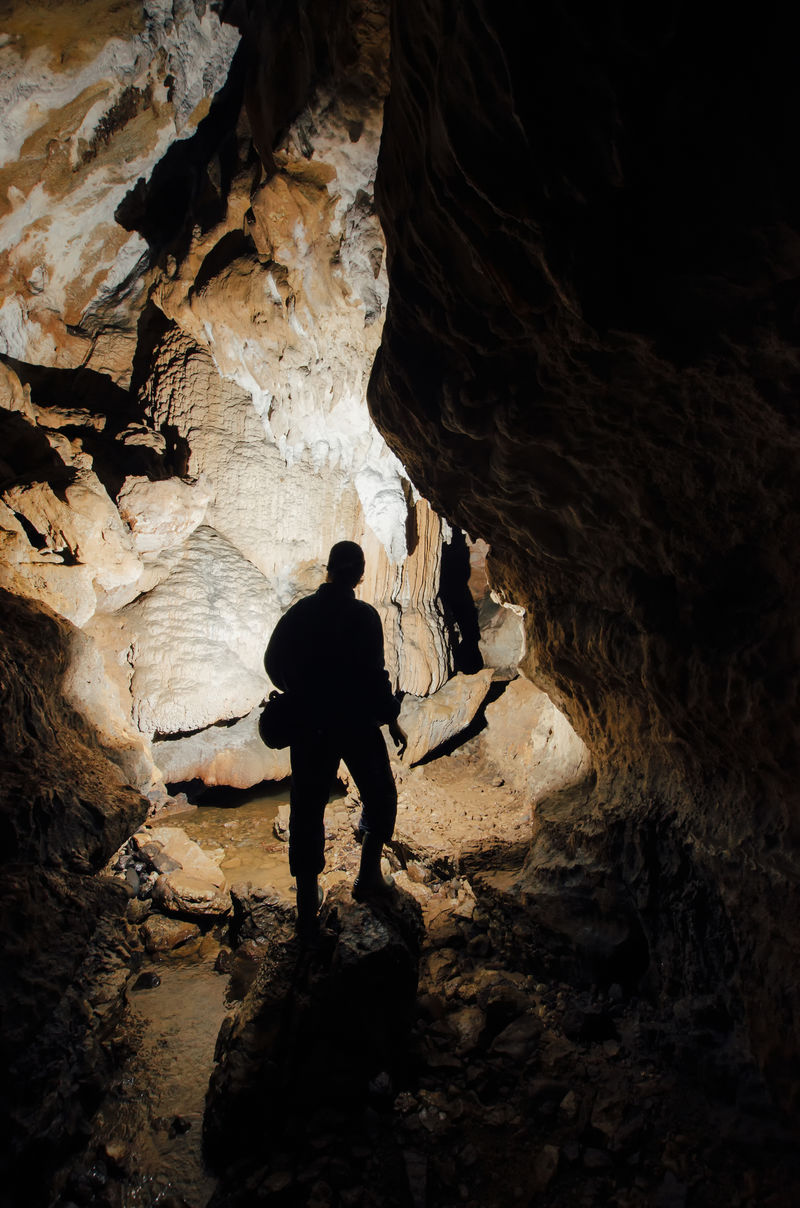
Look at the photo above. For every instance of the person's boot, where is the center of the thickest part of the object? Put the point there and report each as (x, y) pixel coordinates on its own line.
(370, 881)
(309, 900)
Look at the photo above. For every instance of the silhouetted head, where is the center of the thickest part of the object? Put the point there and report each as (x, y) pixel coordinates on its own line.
(345, 563)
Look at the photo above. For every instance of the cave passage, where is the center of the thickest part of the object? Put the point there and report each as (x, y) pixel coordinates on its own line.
(508, 296)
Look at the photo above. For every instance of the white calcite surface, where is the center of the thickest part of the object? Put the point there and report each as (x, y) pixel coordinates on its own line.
(198, 638)
(296, 320)
(532, 743)
(278, 516)
(162, 513)
(229, 755)
(92, 97)
(254, 450)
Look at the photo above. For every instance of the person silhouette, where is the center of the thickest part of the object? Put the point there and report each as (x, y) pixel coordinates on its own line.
(326, 654)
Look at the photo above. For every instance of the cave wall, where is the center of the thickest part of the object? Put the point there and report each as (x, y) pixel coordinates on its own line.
(195, 294)
(64, 810)
(589, 361)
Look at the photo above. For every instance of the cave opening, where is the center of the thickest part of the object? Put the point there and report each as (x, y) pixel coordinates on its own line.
(270, 283)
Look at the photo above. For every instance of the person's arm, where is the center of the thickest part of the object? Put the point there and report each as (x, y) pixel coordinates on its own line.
(399, 737)
(383, 702)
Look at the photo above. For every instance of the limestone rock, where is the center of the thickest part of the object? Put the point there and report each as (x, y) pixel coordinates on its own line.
(430, 721)
(68, 590)
(198, 639)
(90, 104)
(104, 701)
(502, 641)
(502, 632)
(161, 513)
(196, 886)
(162, 935)
(230, 754)
(531, 742)
(284, 512)
(599, 385)
(13, 395)
(63, 813)
(257, 912)
(83, 524)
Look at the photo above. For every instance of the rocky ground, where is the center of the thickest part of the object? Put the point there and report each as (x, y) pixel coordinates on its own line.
(505, 1077)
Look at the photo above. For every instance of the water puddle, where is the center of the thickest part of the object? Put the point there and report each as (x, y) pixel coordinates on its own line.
(150, 1129)
(244, 827)
(181, 1019)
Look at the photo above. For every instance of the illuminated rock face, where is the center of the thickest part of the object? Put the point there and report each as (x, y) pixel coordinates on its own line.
(93, 96)
(589, 362)
(177, 493)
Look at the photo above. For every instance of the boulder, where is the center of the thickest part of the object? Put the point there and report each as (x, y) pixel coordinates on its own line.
(431, 721)
(257, 912)
(162, 935)
(502, 641)
(162, 513)
(195, 884)
(344, 1008)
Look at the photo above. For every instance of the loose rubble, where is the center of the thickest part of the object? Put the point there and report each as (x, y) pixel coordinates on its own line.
(460, 1044)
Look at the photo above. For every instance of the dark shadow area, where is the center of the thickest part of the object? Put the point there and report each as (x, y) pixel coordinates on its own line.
(81, 388)
(230, 248)
(318, 1046)
(26, 453)
(153, 325)
(460, 613)
(223, 796)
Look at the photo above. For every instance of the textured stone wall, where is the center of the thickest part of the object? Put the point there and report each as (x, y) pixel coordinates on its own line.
(589, 362)
(63, 811)
(196, 289)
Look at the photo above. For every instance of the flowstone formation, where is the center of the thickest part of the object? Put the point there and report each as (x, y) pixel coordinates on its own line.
(196, 294)
(589, 361)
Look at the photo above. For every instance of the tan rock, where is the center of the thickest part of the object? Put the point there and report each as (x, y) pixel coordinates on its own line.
(104, 700)
(68, 590)
(531, 742)
(80, 524)
(198, 887)
(13, 395)
(162, 935)
(430, 721)
(85, 113)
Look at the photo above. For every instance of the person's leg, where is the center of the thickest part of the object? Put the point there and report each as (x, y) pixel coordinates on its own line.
(364, 752)
(314, 761)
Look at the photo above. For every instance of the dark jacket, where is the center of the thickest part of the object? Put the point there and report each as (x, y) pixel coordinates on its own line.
(326, 652)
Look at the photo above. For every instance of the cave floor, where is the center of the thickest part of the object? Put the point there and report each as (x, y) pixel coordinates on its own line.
(521, 1083)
